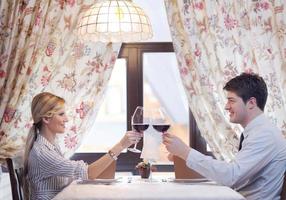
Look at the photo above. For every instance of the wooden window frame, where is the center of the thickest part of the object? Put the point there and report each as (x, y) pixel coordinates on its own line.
(133, 54)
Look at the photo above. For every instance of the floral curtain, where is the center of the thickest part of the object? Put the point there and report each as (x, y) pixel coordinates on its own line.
(217, 40)
(40, 52)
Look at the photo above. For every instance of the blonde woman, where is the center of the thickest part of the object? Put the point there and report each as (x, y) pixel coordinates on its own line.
(46, 171)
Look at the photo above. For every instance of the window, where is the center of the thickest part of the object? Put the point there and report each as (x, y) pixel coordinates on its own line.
(132, 68)
(162, 87)
(137, 56)
(110, 122)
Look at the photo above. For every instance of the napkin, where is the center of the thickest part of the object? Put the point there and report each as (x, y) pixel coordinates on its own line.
(151, 145)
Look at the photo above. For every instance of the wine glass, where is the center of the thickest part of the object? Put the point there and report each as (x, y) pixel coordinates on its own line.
(139, 122)
(160, 120)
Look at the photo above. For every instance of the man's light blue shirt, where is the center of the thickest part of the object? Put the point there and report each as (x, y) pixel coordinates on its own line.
(257, 171)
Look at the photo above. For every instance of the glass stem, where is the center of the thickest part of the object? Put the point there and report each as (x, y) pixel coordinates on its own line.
(151, 173)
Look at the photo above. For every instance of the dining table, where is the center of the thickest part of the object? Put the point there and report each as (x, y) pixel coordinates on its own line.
(156, 188)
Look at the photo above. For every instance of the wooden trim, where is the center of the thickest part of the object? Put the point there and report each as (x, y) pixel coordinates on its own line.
(133, 53)
(16, 176)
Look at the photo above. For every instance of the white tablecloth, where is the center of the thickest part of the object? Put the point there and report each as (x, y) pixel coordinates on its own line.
(138, 188)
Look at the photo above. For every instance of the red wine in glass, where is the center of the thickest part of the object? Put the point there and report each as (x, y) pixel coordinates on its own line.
(161, 127)
(140, 127)
(140, 122)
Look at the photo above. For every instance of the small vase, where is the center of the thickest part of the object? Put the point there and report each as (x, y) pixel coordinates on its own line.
(144, 172)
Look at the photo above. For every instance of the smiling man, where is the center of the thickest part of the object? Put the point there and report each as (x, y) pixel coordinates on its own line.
(258, 169)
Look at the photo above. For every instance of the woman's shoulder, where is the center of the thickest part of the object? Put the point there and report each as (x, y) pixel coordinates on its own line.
(41, 153)
(39, 148)
(36, 149)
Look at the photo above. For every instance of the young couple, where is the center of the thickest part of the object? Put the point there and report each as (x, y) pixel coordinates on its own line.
(257, 171)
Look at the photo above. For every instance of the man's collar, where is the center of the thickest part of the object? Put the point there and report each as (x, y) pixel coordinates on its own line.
(257, 120)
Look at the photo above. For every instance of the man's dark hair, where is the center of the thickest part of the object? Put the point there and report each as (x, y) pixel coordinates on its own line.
(248, 85)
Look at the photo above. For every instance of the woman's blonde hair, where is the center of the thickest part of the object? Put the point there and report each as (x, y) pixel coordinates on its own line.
(43, 105)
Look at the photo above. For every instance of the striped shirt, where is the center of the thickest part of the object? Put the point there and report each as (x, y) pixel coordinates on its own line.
(49, 172)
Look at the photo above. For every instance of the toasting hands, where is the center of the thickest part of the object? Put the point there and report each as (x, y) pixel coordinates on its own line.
(131, 137)
(175, 145)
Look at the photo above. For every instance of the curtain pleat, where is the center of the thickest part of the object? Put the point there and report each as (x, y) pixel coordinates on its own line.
(40, 52)
(217, 40)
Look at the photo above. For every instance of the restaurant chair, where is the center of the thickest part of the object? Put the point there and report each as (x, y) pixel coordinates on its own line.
(109, 172)
(283, 191)
(15, 169)
(182, 171)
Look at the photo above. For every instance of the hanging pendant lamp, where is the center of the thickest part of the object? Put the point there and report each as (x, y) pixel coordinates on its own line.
(114, 21)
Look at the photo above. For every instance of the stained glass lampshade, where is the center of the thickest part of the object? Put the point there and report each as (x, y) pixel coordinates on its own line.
(114, 21)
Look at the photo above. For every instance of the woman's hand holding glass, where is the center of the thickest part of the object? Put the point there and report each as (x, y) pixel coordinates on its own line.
(131, 137)
(139, 122)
